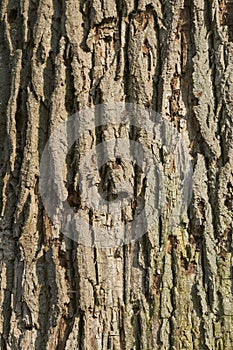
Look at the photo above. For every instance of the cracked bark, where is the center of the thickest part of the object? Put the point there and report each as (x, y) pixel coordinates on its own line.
(168, 290)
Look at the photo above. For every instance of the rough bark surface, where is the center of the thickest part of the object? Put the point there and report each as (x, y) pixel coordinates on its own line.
(168, 290)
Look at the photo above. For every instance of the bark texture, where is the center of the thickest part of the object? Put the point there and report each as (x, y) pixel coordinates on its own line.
(168, 290)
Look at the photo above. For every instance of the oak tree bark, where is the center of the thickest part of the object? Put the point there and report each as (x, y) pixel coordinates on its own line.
(168, 290)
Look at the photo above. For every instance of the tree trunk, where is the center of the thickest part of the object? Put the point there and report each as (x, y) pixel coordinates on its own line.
(172, 288)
